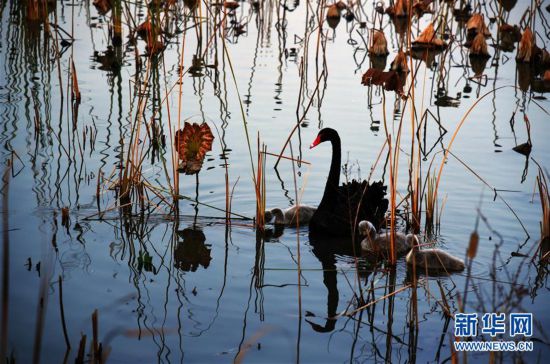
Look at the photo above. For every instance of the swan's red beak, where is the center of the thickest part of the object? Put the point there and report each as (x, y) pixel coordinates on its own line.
(315, 142)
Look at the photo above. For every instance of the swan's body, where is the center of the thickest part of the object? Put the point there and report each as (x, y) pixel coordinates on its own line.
(434, 259)
(380, 243)
(343, 206)
(292, 215)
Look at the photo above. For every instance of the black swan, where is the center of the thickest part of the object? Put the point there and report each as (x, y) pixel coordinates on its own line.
(434, 259)
(380, 243)
(343, 206)
(290, 216)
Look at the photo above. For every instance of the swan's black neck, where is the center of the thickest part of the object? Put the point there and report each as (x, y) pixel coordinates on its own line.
(333, 181)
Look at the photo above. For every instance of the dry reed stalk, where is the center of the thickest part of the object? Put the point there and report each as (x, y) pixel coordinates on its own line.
(81, 351)
(542, 184)
(455, 134)
(95, 342)
(393, 293)
(116, 18)
(75, 89)
(393, 181)
(472, 246)
(431, 202)
(260, 187)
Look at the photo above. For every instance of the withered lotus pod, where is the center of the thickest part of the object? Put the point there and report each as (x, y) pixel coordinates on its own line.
(513, 31)
(508, 5)
(334, 13)
(379, 45)
(154, 47)
(428, 39)
(479, 46)
(230, 5)
(399, 9)
(462, 14)
(378, 62)
(102, 6)
(401, 25)
(476, 25)
(524, 76)
(193, 251)
(425, 54)
(545, 59)
(478, 64)
(527, 48)
(191, 4)
(147, 31)
(509, 35)
(422, 7)
(399, 63)
(192, 144)
(390, 80)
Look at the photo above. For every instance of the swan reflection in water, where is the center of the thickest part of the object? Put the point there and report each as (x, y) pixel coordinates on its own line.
(192, 251)
(326, 250)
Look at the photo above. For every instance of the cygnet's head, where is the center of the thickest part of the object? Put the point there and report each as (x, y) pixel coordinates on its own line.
(367, 229)
(412, 241)
(279, 216)
(268, 216)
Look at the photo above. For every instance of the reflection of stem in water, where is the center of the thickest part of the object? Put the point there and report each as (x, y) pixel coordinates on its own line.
(43, 297)
(5, 262)
(391, 287)
(298, 202)
(259, 271)
(243, 336)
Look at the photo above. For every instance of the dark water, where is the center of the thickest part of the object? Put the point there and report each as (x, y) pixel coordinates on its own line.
(194, 289)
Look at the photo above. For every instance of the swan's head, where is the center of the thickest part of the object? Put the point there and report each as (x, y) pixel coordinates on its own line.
(367, 229)
(323, 136)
